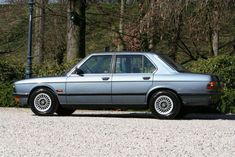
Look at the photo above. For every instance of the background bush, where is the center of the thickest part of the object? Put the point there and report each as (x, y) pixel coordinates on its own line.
(6, 99)
(9, 73)
(53, 69)
(12, 71)
(224, 67)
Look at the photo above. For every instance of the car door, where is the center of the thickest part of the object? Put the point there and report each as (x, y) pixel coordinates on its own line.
(94, 85)
(132, 78)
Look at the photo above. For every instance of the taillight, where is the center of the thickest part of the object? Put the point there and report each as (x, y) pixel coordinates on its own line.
(212, 85)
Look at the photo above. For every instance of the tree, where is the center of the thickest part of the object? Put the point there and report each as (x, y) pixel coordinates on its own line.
(215, 34)
(82, 28)
(39, 32)
(72, 32)
(120, 46)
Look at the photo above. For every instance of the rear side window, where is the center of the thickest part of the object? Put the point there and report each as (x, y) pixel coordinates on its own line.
(133, 64)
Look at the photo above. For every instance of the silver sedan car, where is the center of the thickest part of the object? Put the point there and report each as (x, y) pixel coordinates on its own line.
(130, 80)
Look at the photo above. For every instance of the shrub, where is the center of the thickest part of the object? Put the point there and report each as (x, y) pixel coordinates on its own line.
(224, 67)
(52, 69)
(228, 101)
(6, 98)
(11, 71)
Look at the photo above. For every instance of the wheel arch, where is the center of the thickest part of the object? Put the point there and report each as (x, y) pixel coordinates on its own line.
(45, 87)
(158, 89)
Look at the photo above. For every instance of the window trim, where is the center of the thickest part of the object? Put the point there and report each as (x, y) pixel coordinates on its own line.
(110, 70)
(115, 59)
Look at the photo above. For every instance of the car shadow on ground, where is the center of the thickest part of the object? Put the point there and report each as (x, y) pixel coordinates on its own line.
(209, 116)
(116, 115)
(146, 115)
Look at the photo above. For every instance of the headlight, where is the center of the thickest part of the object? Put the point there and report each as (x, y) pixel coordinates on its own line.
(14, 89)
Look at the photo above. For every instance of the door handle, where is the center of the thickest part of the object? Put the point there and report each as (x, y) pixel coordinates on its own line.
(105, 78)
(146, 78)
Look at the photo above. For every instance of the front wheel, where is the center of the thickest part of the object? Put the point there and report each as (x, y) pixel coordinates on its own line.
(43, 102)
(165, 104)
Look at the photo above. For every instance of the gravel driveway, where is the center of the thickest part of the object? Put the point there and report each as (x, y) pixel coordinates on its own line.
(114, 133)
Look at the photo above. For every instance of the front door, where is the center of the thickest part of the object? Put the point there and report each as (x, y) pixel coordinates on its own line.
(94, 86)
(132, 78)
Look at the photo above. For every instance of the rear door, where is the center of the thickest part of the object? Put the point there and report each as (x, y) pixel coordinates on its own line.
(132, 78)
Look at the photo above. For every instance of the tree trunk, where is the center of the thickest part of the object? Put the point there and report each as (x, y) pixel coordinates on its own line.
(72, 33)
(143, 36)
(82, 28)
(233, 50)
(215, 42)
(150, 25)
(59, 37)
(121, 45)
(215, 35)
(39, 32)
(176, 36)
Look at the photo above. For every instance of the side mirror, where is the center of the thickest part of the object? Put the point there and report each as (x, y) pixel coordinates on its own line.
(79, 72)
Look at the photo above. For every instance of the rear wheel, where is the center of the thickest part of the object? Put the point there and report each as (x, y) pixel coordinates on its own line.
(64, 111)
(165, 104)
(43, 102)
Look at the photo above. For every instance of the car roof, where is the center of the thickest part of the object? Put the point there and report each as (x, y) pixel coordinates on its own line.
(123, 52)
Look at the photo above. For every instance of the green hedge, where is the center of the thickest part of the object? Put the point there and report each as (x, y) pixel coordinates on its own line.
(53, 69)
(9, 72)
(228, 101)
(6, 90)
(12, 71)
(224, 67)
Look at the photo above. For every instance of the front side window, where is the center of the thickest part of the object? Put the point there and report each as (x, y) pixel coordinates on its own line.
(97, 65)
(133, 64)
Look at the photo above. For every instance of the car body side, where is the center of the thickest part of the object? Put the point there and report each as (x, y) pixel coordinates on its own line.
(191, 88)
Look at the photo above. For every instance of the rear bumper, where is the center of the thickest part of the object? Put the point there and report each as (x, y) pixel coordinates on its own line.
(207, 99)
(21, 99)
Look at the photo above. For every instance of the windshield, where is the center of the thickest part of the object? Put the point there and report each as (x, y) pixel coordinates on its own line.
(173, 64)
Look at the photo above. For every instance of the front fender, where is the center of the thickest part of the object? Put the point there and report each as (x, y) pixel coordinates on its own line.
(57, 88)
(41, 85)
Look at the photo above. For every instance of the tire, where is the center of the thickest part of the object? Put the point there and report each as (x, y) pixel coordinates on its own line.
(183, 111)
(165, 104)
(64, 111)
(43, 102)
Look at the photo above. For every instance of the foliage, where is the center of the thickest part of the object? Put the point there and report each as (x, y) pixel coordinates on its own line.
(53, 69)
(6, 90)
(228, 101)
(182, 29)
(224, 67)
(11, 72)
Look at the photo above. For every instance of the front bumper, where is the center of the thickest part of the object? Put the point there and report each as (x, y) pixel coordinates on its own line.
(21, 99)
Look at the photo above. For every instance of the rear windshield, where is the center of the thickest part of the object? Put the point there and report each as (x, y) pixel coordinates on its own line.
(172, 63)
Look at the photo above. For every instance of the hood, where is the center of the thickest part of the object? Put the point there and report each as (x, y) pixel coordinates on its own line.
(42, 80)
